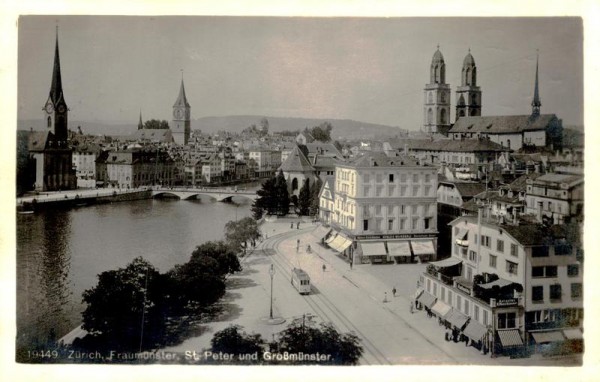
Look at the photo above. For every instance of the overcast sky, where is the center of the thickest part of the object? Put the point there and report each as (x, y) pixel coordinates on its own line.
(367, 69)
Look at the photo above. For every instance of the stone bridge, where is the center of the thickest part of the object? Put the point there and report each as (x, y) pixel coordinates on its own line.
(221, 195)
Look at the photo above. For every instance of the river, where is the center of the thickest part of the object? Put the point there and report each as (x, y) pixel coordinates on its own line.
(60, 253)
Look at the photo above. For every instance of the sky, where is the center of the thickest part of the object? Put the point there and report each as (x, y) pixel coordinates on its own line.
(367, 69)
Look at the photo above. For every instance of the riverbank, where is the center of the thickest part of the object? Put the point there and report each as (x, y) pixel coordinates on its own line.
(80, 198)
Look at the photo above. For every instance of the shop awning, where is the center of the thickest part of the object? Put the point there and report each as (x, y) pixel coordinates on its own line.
(456, 318)
(418, 293)
(375, 248)
(331, 238)
(340, 243)
(500, 283)
(422, 247)
(510, 337)
(399, 248)
(427, 299)
(573, 334)
(475, 330)
(320, 232)
(342, 247)
(461, 238)
(548, 336)
(449, 262)
(440, 308)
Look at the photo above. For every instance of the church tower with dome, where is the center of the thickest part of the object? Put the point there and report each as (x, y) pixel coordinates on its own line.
(437, 97)
(468, 94)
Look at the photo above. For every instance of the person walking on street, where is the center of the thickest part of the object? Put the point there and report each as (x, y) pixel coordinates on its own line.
(297, 245)
(324, 268)
(394, 291)
(298, 225)
(292, 225)
(412, 305)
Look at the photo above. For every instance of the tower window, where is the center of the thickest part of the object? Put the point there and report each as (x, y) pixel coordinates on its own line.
(49, 122)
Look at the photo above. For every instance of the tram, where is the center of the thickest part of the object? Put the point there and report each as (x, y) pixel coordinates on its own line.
(301, 281)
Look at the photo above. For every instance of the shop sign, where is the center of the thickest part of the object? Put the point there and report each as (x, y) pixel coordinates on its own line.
(397, 236)
(506, 302)
(463, 288)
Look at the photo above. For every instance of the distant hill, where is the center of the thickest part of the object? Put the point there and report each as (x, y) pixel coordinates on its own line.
(345, 128)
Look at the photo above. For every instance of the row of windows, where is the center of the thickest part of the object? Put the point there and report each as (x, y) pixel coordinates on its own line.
(391, 209)
(537, 292)
(378, 224)
(552, 315)
(398, 191)
(391, 177)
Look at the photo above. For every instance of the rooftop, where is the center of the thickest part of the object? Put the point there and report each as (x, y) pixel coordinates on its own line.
(502, 124)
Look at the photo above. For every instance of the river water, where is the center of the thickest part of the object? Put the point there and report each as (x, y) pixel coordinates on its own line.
(60, 253)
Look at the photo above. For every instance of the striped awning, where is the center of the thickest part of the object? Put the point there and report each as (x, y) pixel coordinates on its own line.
(474, 330)
(510, 337)
(456, 318)
(548, 336)
(418, 293)
(573, 334)
(399, 248)
(376, 248)
(422, 247)
(427, 299)
(331, 238)
(340, 243)
(342, 247)
(320, 232)
(440, 308)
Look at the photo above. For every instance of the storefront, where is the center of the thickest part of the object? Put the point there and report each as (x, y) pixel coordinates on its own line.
(373, 252)
(424, 249)
(320, 233)
(400, 251)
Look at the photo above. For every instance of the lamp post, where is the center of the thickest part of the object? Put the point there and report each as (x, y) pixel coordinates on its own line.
(271, 273)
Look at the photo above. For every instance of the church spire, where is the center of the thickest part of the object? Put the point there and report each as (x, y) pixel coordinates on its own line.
(56, 91)
(140, 123)
(536, 92)
(181, 99)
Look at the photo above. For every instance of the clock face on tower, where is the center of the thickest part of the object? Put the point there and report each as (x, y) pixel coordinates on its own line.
(178, 113)
(49, 108)
(61, 109)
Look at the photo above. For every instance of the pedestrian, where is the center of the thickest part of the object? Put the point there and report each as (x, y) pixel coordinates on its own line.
(297, 245)
(394, 291)
(324, 267)
(385, 297)
(412, 305)
(350, 264)
(292, 225)
(298, 225)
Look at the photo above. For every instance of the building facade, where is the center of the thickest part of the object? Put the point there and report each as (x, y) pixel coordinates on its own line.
(384, 208)
(468, 94)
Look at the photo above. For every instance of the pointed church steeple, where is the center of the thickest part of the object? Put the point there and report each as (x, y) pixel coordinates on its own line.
(536, 104)
(140, 123)
(56, 91)
(181, 99)
(56, 110)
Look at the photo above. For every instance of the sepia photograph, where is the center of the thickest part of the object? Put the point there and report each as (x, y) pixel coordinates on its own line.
(293, 191)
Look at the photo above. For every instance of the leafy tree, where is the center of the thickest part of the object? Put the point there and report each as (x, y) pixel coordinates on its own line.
(314, 197)
(266, 200)
(338, 146)
(225, 257)
(304, 336)
(257, 211)
(322, 132)
(126, 309)
(282, 197)
(239, 233)
(304, 199)
(193, 286)
(233, 340)
(155, 124)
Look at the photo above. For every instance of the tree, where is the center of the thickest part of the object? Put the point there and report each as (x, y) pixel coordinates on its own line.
(282, 197)
(233, 340)
(314, 197)
(322, 132)
(226, 260)
(126, 309)
(338, 146)
(303, 336)
(266, 200)
(239, 233)
(304, 199)
(155, 124)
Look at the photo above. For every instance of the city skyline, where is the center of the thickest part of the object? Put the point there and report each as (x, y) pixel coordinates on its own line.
(371, 70)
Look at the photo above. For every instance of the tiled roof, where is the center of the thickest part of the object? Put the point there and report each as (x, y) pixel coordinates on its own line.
(448, 145)
(379, 159)
(296, 162)
(501, 124)
(558, 178)
(38, 140)
(469, 189)
(520, 184)
(322, 148)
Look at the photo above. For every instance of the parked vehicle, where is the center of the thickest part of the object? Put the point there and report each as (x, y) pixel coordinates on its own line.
(301, 281)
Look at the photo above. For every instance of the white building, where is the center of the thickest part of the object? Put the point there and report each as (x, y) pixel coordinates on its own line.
(385, 207)
(555, 197)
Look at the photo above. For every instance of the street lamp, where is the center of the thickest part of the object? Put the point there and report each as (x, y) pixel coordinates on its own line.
(271, 273)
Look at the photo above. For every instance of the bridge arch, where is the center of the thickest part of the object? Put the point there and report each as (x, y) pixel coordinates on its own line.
(161, 193)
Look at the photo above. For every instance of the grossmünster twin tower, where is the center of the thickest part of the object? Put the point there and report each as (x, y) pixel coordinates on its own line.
(437, 94)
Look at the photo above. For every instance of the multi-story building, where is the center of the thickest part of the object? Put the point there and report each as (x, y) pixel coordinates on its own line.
(506, 285)
(385, 207)
(132, 168)
(211, 169)
(267, 161)
(84, 163)
(555, 198)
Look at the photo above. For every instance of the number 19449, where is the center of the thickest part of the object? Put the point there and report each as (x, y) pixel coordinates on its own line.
(42, 354)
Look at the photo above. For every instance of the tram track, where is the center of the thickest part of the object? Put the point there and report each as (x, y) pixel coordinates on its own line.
(322, 306)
